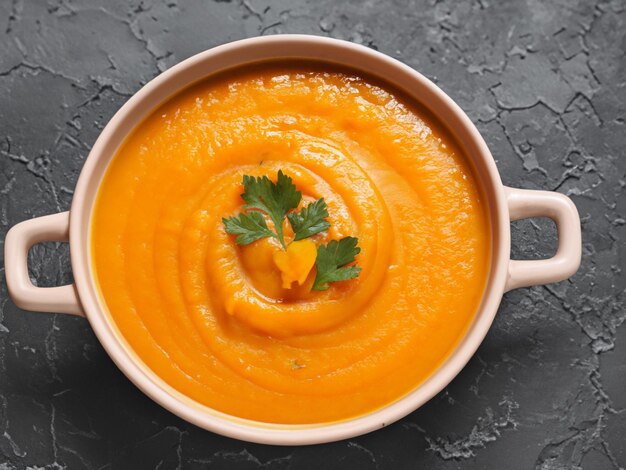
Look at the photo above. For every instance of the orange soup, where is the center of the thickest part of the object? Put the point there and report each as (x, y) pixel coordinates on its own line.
(215, 320)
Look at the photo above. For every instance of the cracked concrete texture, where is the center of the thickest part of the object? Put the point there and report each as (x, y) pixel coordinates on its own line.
(545, 82)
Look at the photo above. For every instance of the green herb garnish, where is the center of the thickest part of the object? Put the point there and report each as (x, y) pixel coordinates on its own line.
(310, 220)
(275, 199)
(279, 200)
(249, 227)
(332, 259)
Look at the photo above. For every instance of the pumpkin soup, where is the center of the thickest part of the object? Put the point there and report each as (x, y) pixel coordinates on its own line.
(289, 320)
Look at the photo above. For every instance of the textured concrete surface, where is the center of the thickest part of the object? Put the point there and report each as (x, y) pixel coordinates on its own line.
(545, 84)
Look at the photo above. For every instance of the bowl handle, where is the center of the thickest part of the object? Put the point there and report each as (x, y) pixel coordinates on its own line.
(524, 203)
(18, 241)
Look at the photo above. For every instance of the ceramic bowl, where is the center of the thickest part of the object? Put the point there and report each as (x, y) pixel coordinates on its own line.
(504, 205)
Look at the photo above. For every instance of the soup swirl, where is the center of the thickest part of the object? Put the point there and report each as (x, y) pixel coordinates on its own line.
(213, 319)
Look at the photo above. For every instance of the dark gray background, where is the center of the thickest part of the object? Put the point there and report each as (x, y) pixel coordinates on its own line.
(545, 84)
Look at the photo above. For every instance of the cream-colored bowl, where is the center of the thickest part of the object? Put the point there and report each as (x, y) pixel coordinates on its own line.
(505, 204)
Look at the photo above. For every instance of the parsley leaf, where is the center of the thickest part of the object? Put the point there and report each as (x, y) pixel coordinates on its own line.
(310, 220)
(331, 262)
(275, 199)
(248, 227)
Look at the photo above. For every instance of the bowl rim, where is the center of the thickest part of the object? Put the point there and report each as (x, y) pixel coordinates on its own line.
(306, 47)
